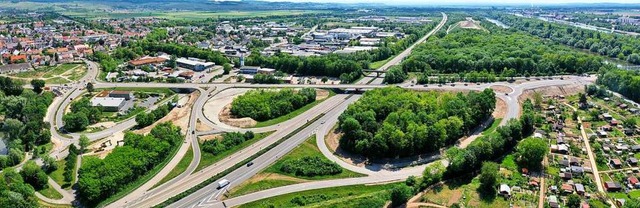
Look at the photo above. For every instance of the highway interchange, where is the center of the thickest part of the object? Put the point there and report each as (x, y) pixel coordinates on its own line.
(328, 112)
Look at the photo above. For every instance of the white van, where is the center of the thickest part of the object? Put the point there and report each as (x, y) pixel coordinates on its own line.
(223, 183)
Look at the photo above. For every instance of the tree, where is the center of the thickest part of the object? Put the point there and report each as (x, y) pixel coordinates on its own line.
(37, 84)
(433, 174)
(226, 68)
(12, 128)
(400, 194)
(75, 121)
(632, 203)
(395, 75)
(530, 153)
(34, 175)
(172, 62)
(49, 164)
(324, 79)
(489, 178)
(90, 87)
(573, 201)
(84, 143)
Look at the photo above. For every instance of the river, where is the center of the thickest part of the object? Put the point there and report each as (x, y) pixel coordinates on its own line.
(497, 22)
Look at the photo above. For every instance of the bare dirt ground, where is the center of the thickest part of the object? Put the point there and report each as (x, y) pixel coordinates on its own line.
(274, 176)
(209, 137)
(333, 143)
(321, 94)
(226, 117)
(107, 124)
(202, 127)
(110, 142)
(177, 116)
(501, 109)
(565, 90)
(469, 25)
(501, 89)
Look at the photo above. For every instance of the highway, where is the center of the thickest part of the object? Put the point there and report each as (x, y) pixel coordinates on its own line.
(144, 196)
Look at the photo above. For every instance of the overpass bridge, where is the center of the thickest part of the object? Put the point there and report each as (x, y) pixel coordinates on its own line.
(378, 72)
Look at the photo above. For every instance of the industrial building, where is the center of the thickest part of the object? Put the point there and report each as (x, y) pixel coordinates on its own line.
(194, 64)
(109, 104)
(256, 70)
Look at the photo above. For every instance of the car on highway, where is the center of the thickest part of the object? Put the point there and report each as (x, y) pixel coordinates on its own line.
(222, 183)
(249, 164)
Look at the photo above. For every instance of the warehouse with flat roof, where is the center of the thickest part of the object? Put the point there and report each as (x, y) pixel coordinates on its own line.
(110, 104)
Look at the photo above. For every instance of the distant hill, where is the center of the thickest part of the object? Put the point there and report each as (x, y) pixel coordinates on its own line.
(210, 5)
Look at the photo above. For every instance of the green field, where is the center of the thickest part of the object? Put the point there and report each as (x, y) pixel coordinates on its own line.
(307, 149)
(58, 176)
(50, 193)
(276, 178)
(378, 64)
(292, 114)
(181, 167)
(183, 15)
(208, 159)
(61, 74)
(346, 196)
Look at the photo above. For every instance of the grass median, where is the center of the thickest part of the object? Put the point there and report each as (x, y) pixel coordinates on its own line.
(236, 166)
(179, 169)
(345, 196)
(208, 159)
(273, 176)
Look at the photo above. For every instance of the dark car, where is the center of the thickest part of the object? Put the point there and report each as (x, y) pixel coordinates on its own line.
(249, 164)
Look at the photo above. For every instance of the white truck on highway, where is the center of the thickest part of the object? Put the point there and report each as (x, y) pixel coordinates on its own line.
(223, 183)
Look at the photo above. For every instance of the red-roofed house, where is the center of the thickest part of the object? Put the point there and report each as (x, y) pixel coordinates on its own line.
(18, 58)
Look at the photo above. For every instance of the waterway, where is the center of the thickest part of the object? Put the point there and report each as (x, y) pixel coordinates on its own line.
(497, 22)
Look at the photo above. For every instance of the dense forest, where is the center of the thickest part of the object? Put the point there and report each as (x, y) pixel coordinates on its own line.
(505, 53)
(262, 105)
(625, 82)
(101, 178)
(618, 46)
(15, 191)
(23, 123)
(392, 122)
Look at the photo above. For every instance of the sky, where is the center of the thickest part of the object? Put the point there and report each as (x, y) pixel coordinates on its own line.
(459, 2)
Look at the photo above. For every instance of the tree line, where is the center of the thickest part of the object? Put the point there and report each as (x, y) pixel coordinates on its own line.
(625, 82)
(490, 147)
(623, 47)
(392, 122)
(23, 126)
(146, 119)
(504, 53)
(263, 105)
(101, 178)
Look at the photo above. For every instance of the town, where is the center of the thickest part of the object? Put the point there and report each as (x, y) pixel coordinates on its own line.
(311, 104)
